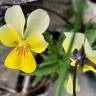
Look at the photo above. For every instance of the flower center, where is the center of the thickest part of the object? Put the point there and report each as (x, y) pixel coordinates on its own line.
(22, 44)
(22, 51)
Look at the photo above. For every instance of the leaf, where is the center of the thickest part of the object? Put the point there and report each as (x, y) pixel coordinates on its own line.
(49, 60)
(45, 70)
(36, 81)
(91, 35)
(78, 5)
(49, 38)
(68, 13)
(62, 29)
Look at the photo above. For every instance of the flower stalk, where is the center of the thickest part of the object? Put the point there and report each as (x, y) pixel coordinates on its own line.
(25, 86)
(74, 80)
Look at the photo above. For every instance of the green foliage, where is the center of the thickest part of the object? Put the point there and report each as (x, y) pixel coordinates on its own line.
(78, 5)
(68, 14)
(63, 29)
(36, 80)
(63, 70)
(45, 70)
(91, 35)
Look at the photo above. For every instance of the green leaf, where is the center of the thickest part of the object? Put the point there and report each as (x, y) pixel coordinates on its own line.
(36, 81)
(63, 29)
(45, 70)
(49, 39)
(91, 35)
(68, 13)
(49, 60)
(78, 5)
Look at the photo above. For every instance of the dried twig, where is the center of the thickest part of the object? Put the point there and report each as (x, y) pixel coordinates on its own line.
(7, 89)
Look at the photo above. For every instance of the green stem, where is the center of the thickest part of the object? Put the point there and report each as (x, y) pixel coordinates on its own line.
(74, 80)
(63, 69)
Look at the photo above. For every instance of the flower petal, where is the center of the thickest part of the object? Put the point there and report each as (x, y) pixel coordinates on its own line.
(73, 62)
(38, 22)
(90, 68)
(78, 41)
(8, 36)
(21, 59)
(37, 43)
(69, 85)
(88, 50)
(15, 17)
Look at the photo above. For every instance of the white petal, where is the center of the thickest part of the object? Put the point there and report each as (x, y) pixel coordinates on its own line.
(88, 50)
(38, 22)
(78, 41)
(69, 85)
(15, 17)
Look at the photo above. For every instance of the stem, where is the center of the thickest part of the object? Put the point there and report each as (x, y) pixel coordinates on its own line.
(74, 80)
(25, 86)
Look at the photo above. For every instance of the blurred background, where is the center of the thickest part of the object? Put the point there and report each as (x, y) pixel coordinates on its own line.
(11, 81)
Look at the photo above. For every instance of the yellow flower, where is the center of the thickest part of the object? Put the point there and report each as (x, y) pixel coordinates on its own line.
(91, 55)
(69, 84)
(14, 34)
(80, 41)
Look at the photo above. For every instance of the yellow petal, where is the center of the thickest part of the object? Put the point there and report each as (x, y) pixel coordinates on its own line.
(21, 59)
(15, 17)
(69, 85)
(93, 59)
(88, 50)
(37, 43)
(9, 36)
(73, 62)
(91, 55)
(78, 41)
(38, 22)
(89, 68)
